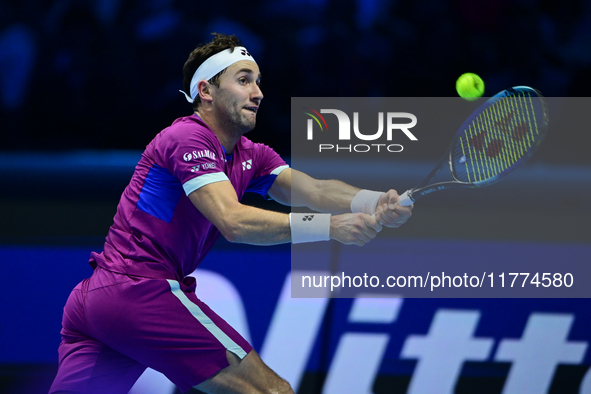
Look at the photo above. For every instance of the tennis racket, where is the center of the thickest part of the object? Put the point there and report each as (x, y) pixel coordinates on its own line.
(500, 135)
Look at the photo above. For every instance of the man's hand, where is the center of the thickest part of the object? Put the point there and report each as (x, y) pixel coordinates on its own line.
(389, 213)
(354, 228)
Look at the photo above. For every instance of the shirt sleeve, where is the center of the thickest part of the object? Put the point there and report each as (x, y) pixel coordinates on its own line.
(193, 157)
(270, 166)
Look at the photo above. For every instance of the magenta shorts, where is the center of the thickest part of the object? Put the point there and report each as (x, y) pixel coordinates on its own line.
(115, 325)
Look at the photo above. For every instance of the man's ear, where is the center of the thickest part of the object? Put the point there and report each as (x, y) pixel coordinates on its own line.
(204, 89)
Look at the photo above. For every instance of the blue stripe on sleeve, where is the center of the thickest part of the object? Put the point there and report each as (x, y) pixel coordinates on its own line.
(160, 194)
(261, 185)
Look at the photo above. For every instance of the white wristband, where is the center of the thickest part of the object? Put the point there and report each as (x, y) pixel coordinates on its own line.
(365, 201)
(309, 227)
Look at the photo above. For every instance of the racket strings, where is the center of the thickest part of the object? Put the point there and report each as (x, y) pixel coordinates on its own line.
(497, 139)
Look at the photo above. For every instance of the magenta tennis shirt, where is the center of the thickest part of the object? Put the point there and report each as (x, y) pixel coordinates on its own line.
(157, 231)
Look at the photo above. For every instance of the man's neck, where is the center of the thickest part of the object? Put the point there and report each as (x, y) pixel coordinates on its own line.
(227, 137)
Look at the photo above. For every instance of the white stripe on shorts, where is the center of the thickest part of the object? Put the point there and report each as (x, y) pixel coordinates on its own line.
(221, 336)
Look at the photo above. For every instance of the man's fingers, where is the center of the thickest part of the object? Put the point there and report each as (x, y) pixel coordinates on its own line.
(388, 213)
(373, 223)
(393, 218)
(387, 216)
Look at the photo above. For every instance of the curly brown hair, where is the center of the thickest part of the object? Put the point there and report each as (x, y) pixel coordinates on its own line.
(200, 54)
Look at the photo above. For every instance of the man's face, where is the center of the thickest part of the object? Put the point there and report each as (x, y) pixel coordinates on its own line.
(238, 97)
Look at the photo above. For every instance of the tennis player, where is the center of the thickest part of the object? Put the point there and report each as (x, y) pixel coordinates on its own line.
(139, 308)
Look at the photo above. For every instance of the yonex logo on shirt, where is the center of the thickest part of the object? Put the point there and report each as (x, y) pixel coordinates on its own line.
(204, 166)
(247, 165)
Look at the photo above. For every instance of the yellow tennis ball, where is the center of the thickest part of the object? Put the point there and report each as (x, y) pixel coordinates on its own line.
(470, 86)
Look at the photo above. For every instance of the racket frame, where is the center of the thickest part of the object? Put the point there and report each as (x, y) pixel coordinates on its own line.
(424, 188)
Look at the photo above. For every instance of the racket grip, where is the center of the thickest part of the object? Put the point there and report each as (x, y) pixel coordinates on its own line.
(405, 199)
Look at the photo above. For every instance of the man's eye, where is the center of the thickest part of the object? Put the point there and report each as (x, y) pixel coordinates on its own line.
(243, 80)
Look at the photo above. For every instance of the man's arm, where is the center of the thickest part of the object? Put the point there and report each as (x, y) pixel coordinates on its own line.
(297, 189)
(219, 203)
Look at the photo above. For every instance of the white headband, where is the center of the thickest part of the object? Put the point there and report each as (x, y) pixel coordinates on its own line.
(213, 65)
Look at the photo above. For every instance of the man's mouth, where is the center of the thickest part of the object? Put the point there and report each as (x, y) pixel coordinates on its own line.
(252, 109)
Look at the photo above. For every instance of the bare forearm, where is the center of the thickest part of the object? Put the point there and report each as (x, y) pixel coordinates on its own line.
(256, 226)
(331, 196)
(237, 222)
(218, 202)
